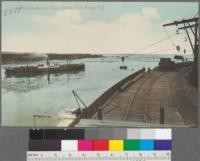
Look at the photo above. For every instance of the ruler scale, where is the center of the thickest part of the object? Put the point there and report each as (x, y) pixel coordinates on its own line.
(78, 145)
(100, 156)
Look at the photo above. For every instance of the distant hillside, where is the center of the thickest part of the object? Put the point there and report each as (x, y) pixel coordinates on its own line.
(11, 57)
(53, 56)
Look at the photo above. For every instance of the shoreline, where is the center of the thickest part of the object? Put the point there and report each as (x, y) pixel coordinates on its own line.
(95, 110)
(11, 57)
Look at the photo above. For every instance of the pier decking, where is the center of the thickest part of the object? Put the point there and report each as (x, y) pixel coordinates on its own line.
(140, 101)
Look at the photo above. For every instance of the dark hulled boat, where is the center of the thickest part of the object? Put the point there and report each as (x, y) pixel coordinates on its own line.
(43, 69)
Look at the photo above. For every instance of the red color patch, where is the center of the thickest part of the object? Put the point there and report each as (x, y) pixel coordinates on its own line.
(101, 145)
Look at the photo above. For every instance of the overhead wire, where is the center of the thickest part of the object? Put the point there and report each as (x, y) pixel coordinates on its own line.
(187, 15)
(163, 50)
(155, 43)
(173, 44)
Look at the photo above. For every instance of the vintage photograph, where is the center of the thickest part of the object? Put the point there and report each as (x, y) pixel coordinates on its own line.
(99, 64)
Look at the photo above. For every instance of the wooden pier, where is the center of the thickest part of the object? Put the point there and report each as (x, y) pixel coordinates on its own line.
(141, 99)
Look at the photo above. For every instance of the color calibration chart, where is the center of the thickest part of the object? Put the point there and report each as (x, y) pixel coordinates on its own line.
(102, 144)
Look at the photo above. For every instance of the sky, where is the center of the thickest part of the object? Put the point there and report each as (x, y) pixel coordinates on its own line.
(93, 27)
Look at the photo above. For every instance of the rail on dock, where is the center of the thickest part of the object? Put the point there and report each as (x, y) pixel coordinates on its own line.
(92, 109)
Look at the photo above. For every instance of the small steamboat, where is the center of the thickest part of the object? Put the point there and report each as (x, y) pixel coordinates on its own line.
(43, 69)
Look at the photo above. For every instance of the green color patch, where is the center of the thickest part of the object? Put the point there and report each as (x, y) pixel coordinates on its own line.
(131, 145)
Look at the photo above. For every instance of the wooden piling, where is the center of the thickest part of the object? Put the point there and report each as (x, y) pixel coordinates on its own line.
(100, 114)
(162, 115)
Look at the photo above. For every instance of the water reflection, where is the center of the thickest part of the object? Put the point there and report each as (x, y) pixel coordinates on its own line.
(48, 76)
(27, 82)
(49, 94)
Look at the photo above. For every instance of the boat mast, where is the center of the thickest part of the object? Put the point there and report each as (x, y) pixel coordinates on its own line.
(27, 62)
(48, 63)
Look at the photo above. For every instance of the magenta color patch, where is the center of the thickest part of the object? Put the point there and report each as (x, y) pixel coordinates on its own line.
(85, 145)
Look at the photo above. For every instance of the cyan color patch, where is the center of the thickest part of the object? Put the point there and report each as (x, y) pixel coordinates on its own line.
(146, 144)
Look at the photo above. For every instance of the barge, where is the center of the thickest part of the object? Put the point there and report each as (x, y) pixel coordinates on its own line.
(43, 69)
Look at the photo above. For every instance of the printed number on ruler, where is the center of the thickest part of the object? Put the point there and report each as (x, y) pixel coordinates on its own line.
(99, 156)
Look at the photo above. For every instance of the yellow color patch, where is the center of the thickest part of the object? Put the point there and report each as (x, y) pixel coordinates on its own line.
(116, 145)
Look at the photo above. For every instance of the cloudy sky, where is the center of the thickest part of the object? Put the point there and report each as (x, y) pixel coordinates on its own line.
(95, 27)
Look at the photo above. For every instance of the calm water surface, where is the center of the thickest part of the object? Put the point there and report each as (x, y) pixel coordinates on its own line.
(24, 97)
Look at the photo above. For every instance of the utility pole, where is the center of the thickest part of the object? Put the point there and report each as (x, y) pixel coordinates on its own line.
(192, 25)
(186, 24)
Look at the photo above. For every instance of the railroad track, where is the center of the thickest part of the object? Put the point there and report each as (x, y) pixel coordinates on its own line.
(149, 81)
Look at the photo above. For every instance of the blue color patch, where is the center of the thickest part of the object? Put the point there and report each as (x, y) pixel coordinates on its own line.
(146, 144)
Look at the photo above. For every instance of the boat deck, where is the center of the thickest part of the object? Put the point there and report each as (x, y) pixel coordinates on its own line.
(44, 69)
(141, 101)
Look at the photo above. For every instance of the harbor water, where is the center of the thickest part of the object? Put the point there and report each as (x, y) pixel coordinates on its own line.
(23, 97)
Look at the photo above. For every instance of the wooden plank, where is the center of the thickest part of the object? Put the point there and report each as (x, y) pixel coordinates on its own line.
(111, 123)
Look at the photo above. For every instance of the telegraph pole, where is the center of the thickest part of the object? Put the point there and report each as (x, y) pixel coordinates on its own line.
(194, 28)
(190, 24)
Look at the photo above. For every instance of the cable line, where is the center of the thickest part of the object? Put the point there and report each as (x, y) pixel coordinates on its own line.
(162, 50)
(155, 43)
(173, 44)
